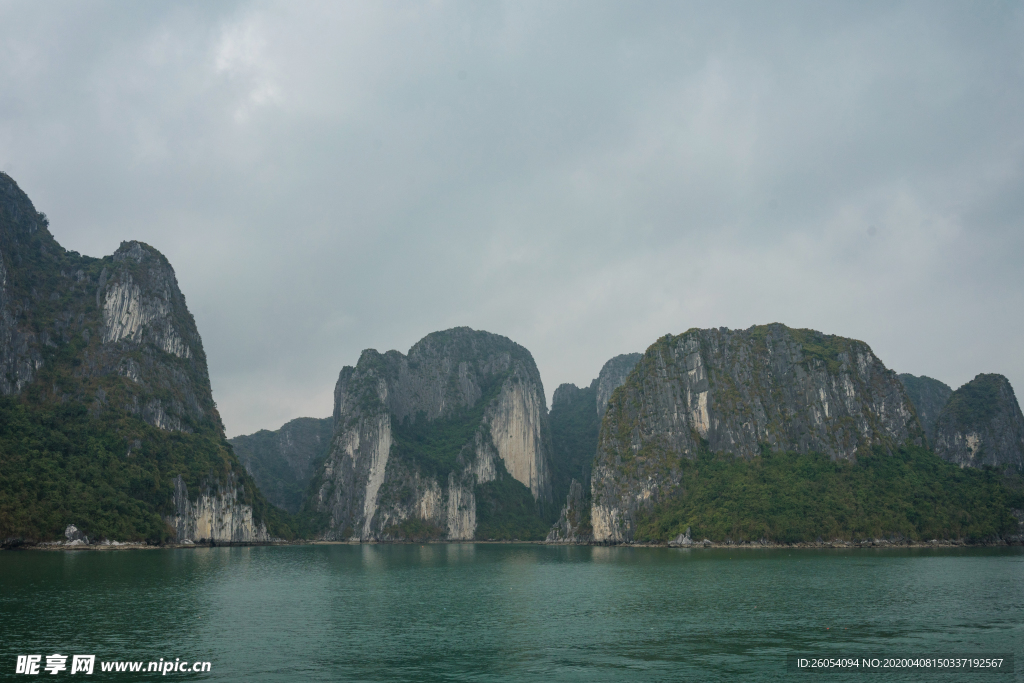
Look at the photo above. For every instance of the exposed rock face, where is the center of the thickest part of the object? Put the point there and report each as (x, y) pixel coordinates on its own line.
(216, 514)
(283, 462)
(115, 335)
(982, 424)
(516, 430)
(23, 239)
(613, 375)
(929, 397)
(148, 337)
(125, 312)
(415, 437)
(736, 391)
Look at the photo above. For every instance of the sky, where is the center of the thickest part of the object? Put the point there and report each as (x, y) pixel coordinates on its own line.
(581, 177)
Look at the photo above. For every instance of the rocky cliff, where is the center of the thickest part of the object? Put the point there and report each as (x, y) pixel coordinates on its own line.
(981, 424)
(575, 420)
(738, 392)
(218, 512)
(105, 351)
(929, 397)
(283, 462)
(426, 443)
(612, 376)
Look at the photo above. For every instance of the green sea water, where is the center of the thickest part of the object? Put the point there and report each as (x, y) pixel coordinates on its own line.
(516, 612)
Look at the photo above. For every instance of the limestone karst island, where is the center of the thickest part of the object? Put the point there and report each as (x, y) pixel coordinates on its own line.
(109, 433)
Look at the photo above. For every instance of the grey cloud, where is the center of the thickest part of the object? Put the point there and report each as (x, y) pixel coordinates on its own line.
(582, 177)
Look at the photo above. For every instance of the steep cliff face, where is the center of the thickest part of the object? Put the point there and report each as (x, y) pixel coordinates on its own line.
(28, 255)
(283, 462)
(612, 376)
(419, 439)
(122, 315)
(981, 424)
(738, 391)
(217, 513)
(929, 397)
(105, 350)
(575, 419)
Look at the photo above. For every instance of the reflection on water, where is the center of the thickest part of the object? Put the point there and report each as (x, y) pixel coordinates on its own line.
(506, 612)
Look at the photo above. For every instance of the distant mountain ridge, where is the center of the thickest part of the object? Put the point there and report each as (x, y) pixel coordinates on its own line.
(283, 461)
(929, 397)
(107, 423)
(784, 424)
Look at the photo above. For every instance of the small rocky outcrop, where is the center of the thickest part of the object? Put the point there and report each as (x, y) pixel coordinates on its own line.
(682, 540)
(73, 536)
(738, 391)
(282, 462)
(929, 397)
(981, 425)
(417, 437)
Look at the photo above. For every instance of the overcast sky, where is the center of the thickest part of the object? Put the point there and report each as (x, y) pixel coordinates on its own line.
(580, 177)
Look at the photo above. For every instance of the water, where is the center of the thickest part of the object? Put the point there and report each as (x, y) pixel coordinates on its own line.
(483, 612)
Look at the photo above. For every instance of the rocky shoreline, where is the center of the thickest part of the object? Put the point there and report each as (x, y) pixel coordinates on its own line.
(75, 540)
(706, 544)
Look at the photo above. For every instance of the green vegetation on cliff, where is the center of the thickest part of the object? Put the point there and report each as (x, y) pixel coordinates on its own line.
(95, 355)
(434, 446)
(982, 425)
(574, 429)
(506, 511)
(975, 403)
(112, 476)
(67, 460)
(415, 530)
(283, 461)
(792, 497)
